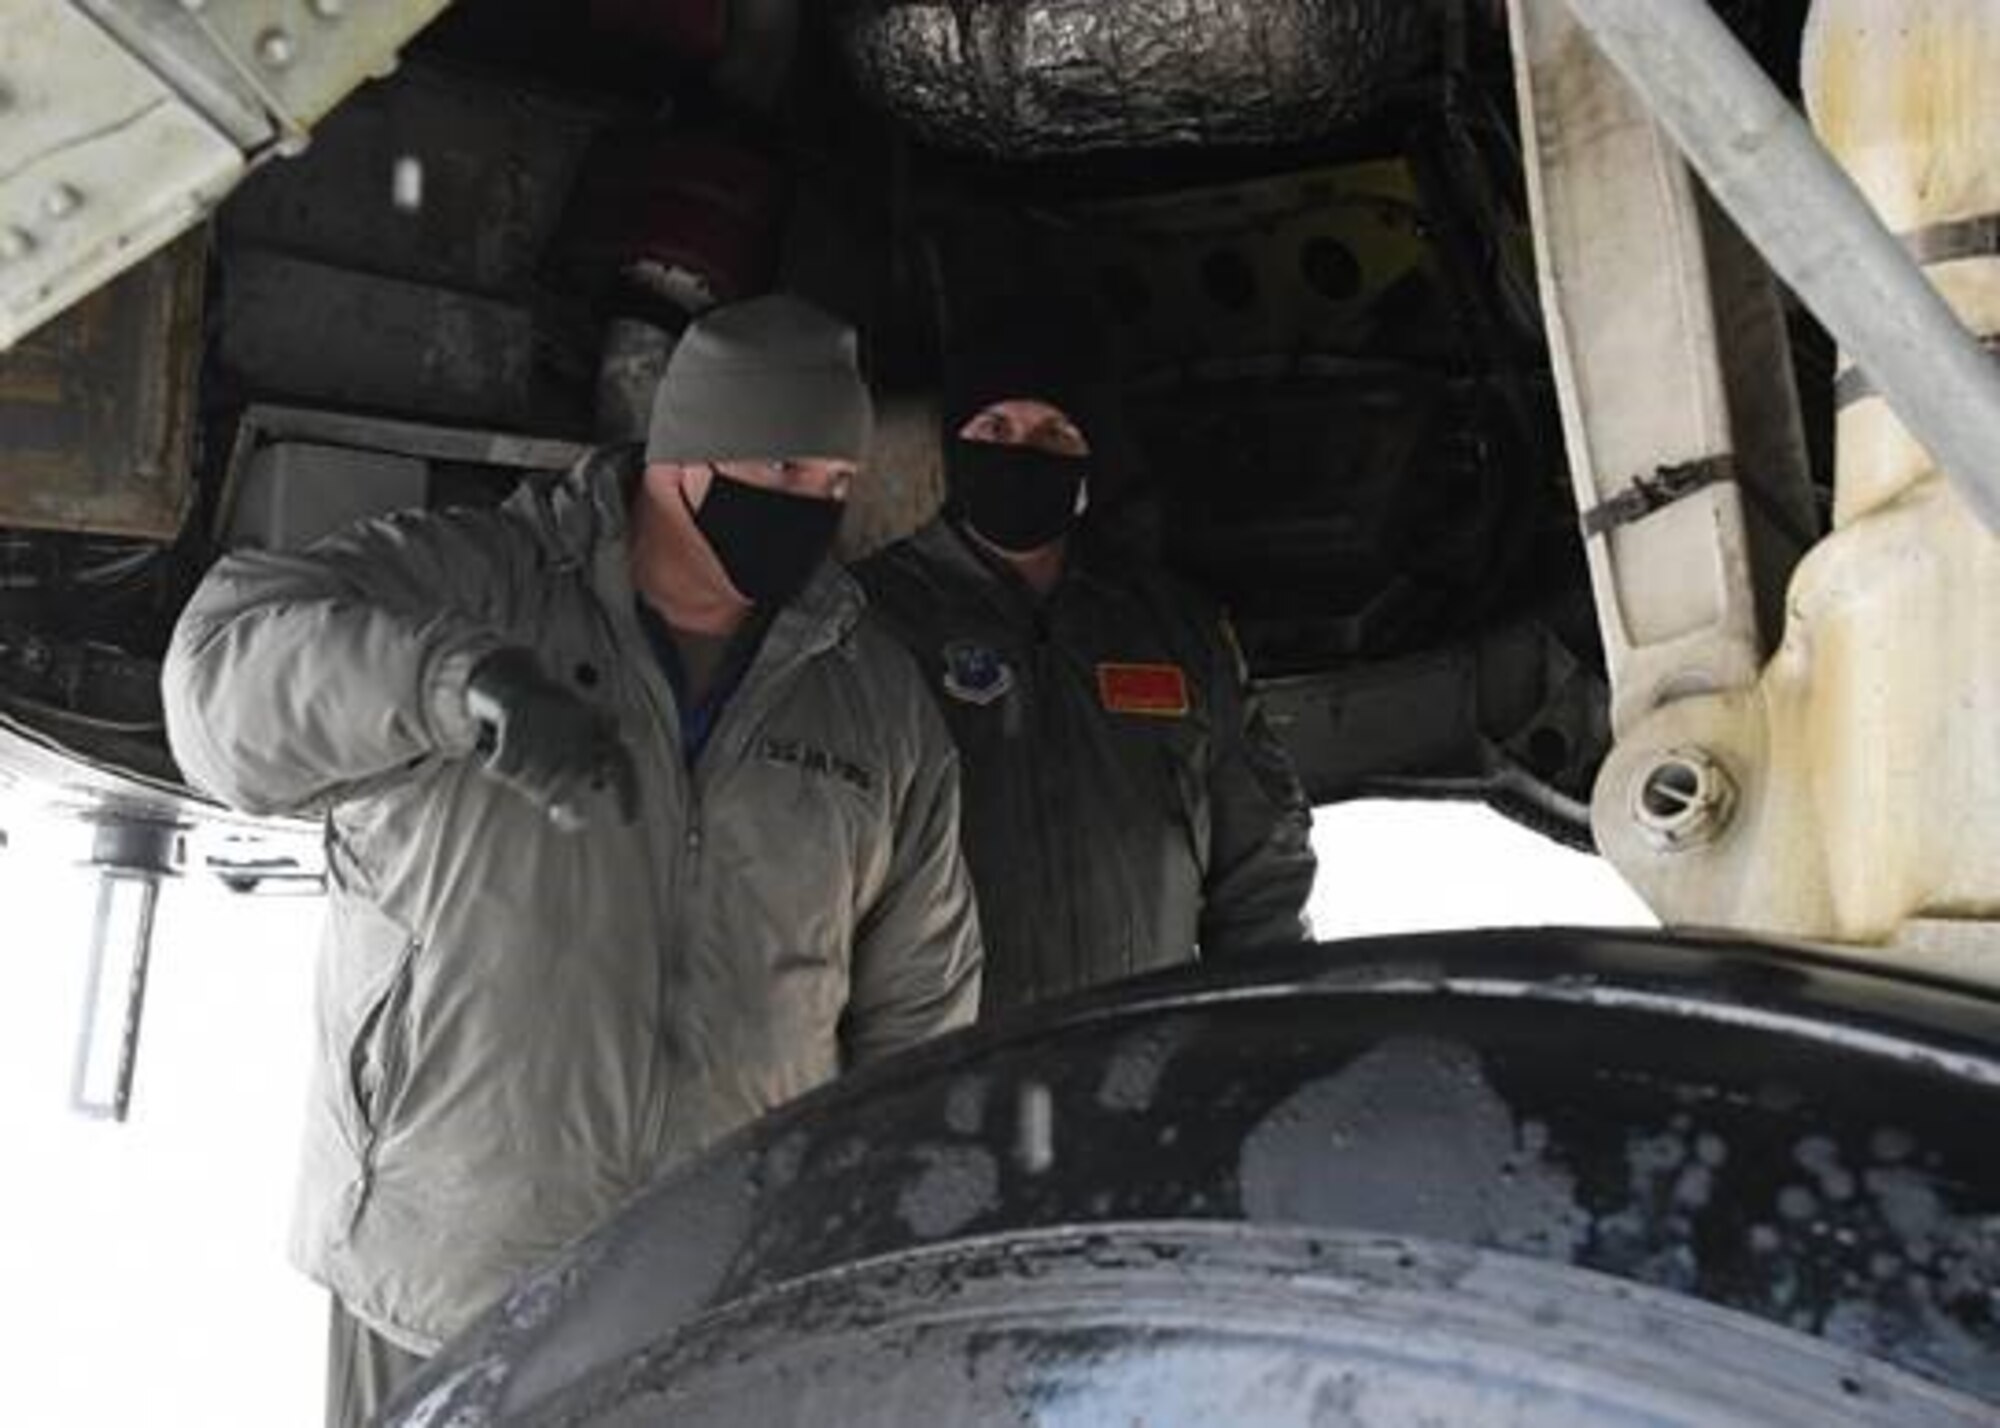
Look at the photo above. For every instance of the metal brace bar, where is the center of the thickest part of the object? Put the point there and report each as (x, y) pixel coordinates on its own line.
(1795, 203)
(1855, 385)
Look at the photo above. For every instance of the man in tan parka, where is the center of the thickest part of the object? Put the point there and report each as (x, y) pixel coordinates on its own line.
(635, 830)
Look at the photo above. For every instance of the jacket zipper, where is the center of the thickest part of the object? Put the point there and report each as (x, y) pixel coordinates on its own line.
(1044, 749)
(684, 851)
(381, 1027)
(737, 724)
(667, 893)
(673, 921)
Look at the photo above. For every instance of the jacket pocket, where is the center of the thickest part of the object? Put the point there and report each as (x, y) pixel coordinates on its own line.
(1187, 797)
(378, 1055)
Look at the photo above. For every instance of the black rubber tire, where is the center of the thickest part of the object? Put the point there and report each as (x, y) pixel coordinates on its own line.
(1711, 1132)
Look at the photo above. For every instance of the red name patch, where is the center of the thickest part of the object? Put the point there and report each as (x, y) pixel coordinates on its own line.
(1156, 689)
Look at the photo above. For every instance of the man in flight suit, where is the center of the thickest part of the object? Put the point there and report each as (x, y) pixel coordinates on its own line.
(635, 830)
(1126, 805)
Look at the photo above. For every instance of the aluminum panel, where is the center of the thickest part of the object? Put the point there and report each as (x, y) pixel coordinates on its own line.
(100, 163)
(304, 56)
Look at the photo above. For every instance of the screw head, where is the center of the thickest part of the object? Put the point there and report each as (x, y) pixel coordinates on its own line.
(62, 200)
(276, 48)
(329, 9)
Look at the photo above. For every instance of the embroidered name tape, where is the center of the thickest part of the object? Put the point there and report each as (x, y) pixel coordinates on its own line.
(795, 753)
(1156, 689)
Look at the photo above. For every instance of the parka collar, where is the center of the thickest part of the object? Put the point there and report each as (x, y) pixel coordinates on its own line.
(944, 545)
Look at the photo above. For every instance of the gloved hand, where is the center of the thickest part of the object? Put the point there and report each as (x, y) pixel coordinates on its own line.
(540, 739)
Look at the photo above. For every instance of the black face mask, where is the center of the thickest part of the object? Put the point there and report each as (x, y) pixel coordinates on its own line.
(1017, 497)
(769, 542)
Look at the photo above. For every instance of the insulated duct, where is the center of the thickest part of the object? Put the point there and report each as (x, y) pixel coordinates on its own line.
(1038, 78)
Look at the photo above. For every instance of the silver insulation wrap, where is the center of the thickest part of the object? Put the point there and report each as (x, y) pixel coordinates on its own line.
(1043, 78)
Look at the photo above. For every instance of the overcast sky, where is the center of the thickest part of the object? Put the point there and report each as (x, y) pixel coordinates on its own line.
(144, 1264)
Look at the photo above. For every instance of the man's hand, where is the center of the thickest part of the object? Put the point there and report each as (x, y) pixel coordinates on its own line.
(545, 742)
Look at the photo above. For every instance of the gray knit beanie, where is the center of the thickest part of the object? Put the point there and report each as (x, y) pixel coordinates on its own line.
(769, 379)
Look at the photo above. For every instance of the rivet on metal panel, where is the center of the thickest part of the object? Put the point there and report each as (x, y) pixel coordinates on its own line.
(62, 200)
(15, 243)
(276, 48)
(329, 9)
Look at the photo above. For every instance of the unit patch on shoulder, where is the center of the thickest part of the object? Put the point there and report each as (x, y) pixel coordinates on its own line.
(975, 673)
(1160, 690)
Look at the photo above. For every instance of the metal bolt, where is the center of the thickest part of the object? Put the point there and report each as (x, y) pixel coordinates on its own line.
(276, 49)
(329, 9)
(1683, 799)
(62, 201)
(15, 243)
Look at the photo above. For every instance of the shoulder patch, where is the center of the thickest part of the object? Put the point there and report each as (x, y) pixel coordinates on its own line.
(975, 673)
(1159, 690)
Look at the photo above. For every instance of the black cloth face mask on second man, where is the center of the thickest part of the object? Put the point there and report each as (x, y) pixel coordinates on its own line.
(769, 542)
(1018, 498)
